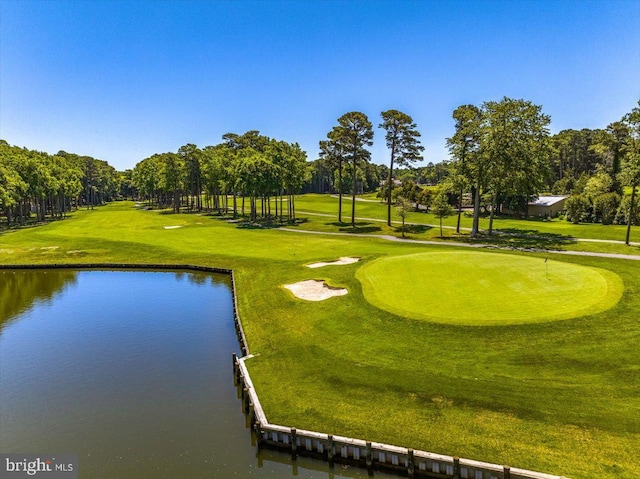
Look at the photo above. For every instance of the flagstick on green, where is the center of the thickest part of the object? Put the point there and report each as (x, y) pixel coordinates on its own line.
(546, 264)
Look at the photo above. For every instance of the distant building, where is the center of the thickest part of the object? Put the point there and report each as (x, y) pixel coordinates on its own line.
(396, 183)
(547, 206)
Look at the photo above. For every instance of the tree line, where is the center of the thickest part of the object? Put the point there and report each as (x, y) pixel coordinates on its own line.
(250, 166)
(502, 156)
(502, 152)
(36, 185)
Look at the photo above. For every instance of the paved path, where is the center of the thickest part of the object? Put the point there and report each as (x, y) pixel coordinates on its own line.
(465, 245)
(377, 220)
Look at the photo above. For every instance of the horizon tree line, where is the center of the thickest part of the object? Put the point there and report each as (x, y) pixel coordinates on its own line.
(248, 166)
(503, 151)
(502, 155)
(49, 186)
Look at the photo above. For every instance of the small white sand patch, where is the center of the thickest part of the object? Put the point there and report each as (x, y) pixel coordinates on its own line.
(75, 251)
(314, 290)
(172, 227)
(50, 247)
(342, 260)
(6, 251)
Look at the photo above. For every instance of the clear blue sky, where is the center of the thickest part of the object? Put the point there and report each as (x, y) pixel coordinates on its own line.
(121, 80)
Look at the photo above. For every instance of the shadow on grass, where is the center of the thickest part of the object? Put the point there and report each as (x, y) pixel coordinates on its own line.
(413, 229)
(519, 239)
(264, 223)
(31, 223)
(360, 227)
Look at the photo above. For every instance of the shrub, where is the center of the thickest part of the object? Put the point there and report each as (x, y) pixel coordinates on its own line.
(577, 208)
(606, 206)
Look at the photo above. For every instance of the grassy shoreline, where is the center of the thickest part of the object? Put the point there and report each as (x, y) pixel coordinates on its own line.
(539, 396)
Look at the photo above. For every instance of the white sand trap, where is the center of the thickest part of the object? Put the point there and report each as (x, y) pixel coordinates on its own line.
(314, 290)
(342, 260)
(172, 227)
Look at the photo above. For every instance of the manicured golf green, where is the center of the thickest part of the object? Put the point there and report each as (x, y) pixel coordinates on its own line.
(479, 288)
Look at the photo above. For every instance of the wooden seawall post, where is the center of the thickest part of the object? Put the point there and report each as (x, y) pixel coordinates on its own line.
(331, 450)
(294, 442)
(369, 456)
(236, 370)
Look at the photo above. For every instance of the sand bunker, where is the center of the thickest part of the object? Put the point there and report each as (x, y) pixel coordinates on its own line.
(342, 260)
(172, 227)
(314, 290)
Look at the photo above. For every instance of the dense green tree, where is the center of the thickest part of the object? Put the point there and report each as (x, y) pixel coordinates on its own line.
(502, 149)
(468, 166)
(433, 173)
(127, 187)
(596, 186)
(605, 207)
(516, 144)
(424, 198)
(630, 174)
(48, 186)
(146, 178)
(294, 174)
(172, 178)
(349, 139)
(440, 206)
(610, 145)
(192, 157)
(574, 153)
(217, 168)
(403, 207)
(577, 207)
(332, 152)
(320, 177)
(403, 141)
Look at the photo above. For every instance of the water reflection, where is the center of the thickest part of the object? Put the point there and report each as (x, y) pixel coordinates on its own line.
(20, 289)
(131, 371)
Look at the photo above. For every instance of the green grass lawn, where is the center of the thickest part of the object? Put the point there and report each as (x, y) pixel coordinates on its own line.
(476, 288)
(561, 397)
(554, 233)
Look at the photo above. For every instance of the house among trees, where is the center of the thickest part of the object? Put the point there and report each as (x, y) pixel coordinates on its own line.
(547, 206)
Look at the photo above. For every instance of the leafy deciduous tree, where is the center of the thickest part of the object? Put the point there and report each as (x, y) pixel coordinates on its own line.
(402, 139)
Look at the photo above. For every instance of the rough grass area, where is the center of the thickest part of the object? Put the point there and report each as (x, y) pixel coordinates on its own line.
(477, 288)
(510, 232)
(561, 397)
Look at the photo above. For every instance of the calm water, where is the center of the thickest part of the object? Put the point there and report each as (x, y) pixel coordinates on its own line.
(132, 372)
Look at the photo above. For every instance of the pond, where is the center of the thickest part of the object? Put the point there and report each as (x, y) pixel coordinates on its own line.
(132, 372)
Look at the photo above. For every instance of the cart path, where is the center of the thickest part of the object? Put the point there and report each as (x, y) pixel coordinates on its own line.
(571, 238)
(466, 245)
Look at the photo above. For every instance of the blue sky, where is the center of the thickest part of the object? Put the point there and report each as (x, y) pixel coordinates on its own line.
(121, 80)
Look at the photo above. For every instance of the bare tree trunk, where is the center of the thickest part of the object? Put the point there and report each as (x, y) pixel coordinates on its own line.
(340, 191)
(630, 221)
(235, 205)
(389, 188)
(353, 193)
(494, 200)
(476, 212)
(459, 210)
